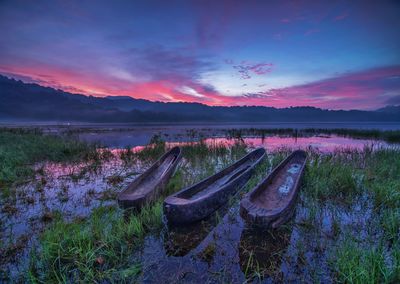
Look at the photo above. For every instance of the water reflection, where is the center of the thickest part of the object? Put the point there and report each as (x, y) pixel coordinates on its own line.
(322, 143)
(261, 251)
(180, 240)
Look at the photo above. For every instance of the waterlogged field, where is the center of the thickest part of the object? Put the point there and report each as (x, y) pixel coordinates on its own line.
(60, 222)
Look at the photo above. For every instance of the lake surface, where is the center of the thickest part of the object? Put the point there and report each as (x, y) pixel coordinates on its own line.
(117, 136)
(265, 125)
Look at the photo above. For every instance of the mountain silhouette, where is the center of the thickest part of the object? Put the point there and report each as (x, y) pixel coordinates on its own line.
(27, 101)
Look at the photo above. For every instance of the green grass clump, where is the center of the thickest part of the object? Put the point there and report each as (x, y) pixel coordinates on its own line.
(355, 264)
(390, 222)
(175, 183)
(196, 150)
(95, 249)
(383, 178)
(327, 178)
(20, 149)
(386, 193)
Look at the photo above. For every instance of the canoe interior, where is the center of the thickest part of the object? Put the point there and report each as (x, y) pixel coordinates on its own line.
(149, 180)
(214, 183)
(278, 192)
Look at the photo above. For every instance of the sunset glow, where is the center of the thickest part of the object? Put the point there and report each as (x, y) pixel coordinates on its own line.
(298, 53)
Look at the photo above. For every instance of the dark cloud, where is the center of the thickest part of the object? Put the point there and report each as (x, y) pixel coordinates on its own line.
(246, 69)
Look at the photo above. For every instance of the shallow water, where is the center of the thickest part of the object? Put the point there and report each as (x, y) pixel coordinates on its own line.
(221, 249)
(230, 252)
(69, 190)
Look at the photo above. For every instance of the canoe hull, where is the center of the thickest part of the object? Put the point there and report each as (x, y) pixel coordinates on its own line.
(272, 218)
(138, 201)
(182, 211)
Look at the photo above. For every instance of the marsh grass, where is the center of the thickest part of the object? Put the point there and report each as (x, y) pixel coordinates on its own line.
(383, 178)
(356, 264)
(390, 222)
(330, 179)
(345, 177)
(20, 149)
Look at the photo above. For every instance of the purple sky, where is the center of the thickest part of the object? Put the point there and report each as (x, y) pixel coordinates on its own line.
(329, 54)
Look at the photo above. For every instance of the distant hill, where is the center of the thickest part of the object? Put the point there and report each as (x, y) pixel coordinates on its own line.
(23, 101)
(390, 109)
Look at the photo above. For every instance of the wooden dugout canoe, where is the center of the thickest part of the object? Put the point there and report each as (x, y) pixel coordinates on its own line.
(200, 200)
(272, 202)
(148, 186)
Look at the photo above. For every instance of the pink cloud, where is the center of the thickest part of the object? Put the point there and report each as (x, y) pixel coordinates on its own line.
(341, 16)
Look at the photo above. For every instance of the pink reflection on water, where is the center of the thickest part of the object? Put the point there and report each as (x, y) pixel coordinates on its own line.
(321, 143)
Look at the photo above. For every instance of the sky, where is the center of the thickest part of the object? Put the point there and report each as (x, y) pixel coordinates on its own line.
(327, 54)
